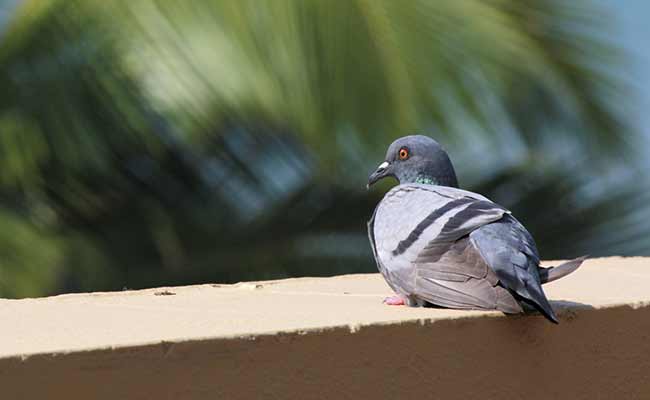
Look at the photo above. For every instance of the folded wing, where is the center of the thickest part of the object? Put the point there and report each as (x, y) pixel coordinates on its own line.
(456, 249)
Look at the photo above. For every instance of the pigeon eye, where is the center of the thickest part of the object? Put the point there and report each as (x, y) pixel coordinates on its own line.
(403, 153)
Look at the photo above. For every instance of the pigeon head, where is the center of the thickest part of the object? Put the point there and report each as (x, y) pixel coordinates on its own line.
(416, 159)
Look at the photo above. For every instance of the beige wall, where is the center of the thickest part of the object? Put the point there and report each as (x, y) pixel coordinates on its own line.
(592, 354)
(329, 338)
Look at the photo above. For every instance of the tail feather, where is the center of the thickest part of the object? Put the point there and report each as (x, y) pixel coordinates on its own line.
(550, 274)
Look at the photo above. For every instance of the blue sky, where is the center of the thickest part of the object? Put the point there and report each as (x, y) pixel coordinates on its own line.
(631, 19)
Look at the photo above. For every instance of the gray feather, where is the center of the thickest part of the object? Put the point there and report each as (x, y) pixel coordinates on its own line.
(551, 274)
(460, 278)
(436, 261)
(510, 251)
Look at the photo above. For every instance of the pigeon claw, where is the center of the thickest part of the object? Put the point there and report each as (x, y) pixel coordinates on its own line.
(394, 301)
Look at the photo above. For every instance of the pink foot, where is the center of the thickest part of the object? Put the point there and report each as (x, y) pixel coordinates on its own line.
(394, 301)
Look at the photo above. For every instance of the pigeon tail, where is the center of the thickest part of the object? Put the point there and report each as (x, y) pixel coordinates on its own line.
(534, 296)
(529, 306)
(550, 274)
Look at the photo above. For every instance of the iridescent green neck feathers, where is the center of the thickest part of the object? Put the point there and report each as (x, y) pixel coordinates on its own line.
(425, 180)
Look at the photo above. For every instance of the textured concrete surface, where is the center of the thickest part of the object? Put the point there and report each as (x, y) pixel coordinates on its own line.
(329, 337)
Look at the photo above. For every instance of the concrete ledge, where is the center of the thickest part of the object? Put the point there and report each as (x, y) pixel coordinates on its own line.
(329, 338)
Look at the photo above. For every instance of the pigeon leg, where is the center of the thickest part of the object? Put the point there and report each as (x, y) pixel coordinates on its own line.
(395, 300)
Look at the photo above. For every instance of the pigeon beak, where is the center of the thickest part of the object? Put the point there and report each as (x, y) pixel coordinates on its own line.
(381, 172)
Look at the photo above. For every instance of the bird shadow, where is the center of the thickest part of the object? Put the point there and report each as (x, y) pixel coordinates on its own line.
(565, 309)
(569, 305)
(561, 307)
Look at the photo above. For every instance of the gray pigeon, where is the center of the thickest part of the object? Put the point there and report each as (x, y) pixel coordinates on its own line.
(440, 245)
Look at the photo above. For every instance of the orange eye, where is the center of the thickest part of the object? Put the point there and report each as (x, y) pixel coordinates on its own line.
(403, 153)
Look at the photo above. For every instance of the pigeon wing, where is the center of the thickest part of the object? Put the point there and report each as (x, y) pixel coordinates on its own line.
(510, 251)
(417, 231)
(451, 272)
(460, 278)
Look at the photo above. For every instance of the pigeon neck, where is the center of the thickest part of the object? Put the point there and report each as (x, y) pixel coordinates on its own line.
(437, 171)
(447, 179)
(427, 180)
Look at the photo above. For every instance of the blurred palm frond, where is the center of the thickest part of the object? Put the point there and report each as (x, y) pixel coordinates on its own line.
(174, 136)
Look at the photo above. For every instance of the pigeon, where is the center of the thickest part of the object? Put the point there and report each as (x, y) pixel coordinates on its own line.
(438, 245)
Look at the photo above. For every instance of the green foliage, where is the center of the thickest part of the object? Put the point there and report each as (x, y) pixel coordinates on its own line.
(30, 257)
(149, 128)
